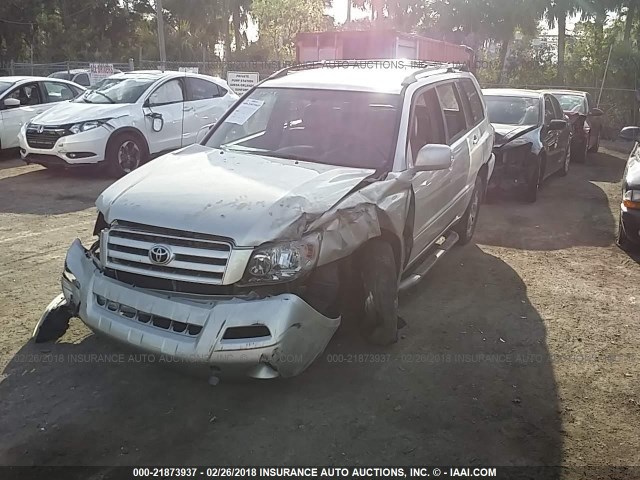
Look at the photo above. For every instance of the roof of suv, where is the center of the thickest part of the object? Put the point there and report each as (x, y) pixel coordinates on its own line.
(368, 76)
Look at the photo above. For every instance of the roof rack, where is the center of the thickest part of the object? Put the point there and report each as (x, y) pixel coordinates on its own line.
(426, 67)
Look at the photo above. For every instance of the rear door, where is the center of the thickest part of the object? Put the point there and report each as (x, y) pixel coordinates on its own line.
(166, 101)
(564, 136)
(31, 104)
(426, 126)
(480, 133)
(459, 140)
(203, 106)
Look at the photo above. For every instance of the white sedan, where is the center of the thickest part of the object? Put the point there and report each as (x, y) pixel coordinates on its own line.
(22, 98)
(126, 119)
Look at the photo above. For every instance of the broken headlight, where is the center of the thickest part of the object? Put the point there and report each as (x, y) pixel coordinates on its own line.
(282, 262)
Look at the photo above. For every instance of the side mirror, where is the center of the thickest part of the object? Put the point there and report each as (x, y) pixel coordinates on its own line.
(434, 157)
(557, 124)
(596, 112)
(157, 122)
(203, 132)
(11, 102)
(630, 133)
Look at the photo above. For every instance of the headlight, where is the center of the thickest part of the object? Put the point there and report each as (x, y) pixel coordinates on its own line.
(282, 262)
(90, 125)
(631, 199)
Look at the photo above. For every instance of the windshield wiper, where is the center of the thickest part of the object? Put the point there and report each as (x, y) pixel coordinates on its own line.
(104, 95)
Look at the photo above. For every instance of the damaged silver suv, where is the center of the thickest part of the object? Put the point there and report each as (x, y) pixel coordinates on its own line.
(322, 193)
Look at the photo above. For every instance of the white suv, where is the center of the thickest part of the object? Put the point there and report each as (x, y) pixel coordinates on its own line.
(125, 120)
(318, 197)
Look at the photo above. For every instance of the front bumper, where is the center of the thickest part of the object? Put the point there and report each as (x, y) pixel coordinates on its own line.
(66, 150)
(513, 169)
(630, 223)
(297, 333)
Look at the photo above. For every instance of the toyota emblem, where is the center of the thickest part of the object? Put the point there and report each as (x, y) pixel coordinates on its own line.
(160, 255)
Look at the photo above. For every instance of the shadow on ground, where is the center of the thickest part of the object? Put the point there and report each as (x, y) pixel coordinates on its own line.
(470, 382)
(571, 211)
(46, 192)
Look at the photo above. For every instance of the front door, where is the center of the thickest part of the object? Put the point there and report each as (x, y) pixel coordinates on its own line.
(426, 126)
(31, 104)
(163, 113)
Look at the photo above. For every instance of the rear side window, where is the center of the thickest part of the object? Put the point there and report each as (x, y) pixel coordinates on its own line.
(82, 79)
(470, 90)
(559, 113)
(453, 112)
(201, 89)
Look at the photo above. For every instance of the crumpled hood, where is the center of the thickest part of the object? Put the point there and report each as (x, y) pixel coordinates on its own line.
(251, 199)
(506, 133)
(73, 112)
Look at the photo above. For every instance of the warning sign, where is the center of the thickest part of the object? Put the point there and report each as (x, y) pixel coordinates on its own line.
(241, 82)
(99, 71)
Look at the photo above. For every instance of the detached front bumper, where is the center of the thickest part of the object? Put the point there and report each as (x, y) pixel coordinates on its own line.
(261, 338)
(68, 151)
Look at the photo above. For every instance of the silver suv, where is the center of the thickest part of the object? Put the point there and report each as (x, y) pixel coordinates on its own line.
(320, 195)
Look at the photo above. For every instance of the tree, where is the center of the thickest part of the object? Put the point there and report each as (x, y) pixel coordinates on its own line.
(280, 20)
(556, 13)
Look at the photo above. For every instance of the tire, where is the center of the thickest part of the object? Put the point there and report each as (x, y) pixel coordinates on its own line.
(466, 226)
(530, 194)
(379, 278)
(125, 152)
(596, 147)
(579, 155)
(622, 240)
(567, 160)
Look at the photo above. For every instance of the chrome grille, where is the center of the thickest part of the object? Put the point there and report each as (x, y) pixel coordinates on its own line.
(46, 138)
(198, 260)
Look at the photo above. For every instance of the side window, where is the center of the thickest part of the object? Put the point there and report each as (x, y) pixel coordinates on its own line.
(452, 109)
(201, 89)
(549, 114)
(426, 125)
(557, 109)
(590, 104)
(82, 79)
(58, 92)
(169, 92)
(477, 111)
(28, 94)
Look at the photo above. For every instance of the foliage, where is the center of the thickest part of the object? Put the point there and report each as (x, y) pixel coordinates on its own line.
(280, 20)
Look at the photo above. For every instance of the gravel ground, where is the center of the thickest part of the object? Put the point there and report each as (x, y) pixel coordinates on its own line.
(520, 349)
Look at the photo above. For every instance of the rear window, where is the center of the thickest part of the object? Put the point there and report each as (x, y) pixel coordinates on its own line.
(200, 89)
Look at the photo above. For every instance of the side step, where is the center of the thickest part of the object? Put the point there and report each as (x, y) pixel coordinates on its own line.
(419, 272)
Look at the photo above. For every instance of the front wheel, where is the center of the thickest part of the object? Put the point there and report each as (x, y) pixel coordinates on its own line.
(596, 147)
(379, 278)
(530, 194)
(622, 240)
(125, 153)
(467, 224)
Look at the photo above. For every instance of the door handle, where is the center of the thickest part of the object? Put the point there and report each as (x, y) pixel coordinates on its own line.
(188, 109)
(476, 139)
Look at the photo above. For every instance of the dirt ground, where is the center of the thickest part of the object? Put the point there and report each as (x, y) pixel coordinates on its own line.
(520, 349)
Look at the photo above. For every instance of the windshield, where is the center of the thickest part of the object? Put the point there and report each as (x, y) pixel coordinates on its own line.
(116, 90)
(509, 110)
(345, 128)
(4, 86)
(571, 103)
(62, 75)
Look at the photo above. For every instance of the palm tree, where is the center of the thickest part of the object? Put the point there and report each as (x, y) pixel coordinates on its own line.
(556, 13)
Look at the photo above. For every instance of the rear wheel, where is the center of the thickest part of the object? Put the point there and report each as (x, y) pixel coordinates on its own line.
(580, 153)
(380, 292)
(596, 147)
(125, 153)
(466, 226)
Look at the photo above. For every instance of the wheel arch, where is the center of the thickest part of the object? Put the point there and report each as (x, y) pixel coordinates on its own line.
(133, 131)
